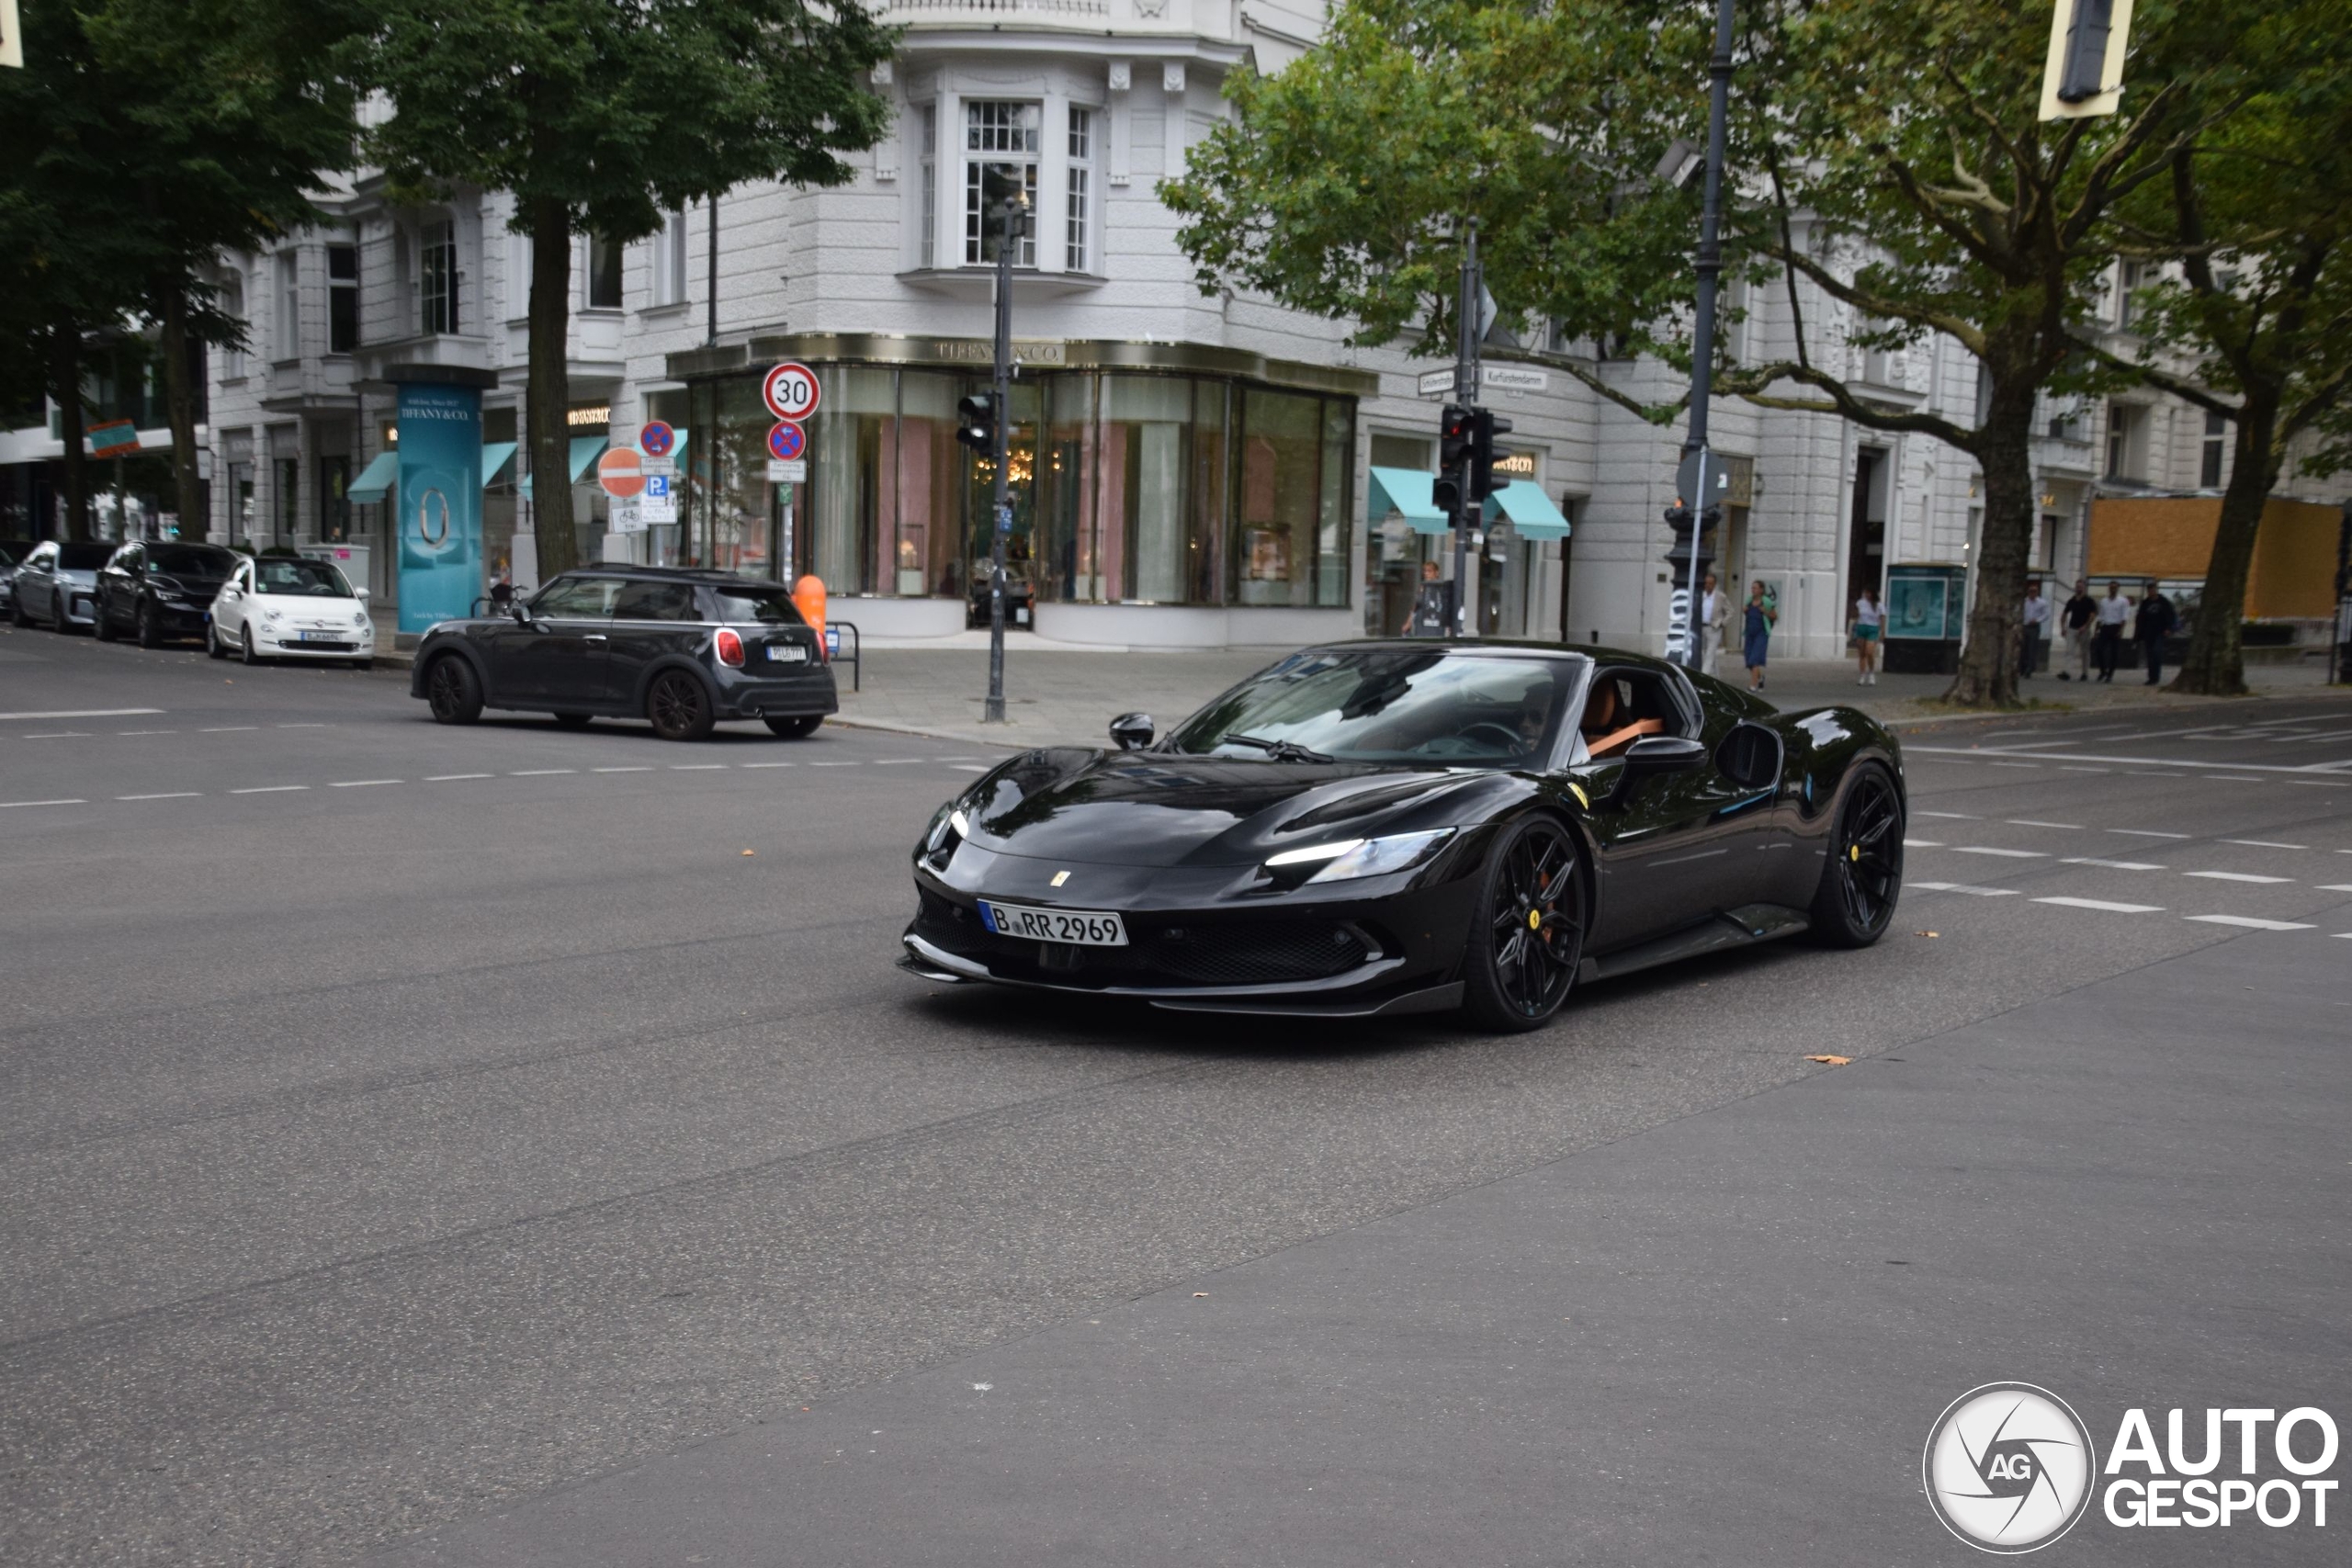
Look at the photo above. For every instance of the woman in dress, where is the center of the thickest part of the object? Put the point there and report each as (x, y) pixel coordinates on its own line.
(1868, 617)
(1760, 614)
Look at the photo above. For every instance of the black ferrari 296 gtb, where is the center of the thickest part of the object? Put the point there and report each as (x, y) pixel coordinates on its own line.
(1406, 826)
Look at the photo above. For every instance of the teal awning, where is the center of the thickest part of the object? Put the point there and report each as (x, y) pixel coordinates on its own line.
(495, 456)
(586, 450)
(1403, 490)
(375, 479)
(1529, 510)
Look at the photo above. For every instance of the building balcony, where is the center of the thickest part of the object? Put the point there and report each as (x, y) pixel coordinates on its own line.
(2063, 456)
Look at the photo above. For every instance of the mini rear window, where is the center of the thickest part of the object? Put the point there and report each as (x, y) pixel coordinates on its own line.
(767, 606)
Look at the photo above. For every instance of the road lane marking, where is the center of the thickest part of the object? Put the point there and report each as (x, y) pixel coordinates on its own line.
(228, 728)
(2112, 909)
(2264, 844)
(2335, 887)
(452, 778)
(2113, 864)
(641, 770)
(2249, 923)
(1923, 843)
(695, 767)
(2146, 833)
(85, 712)
(5, 805)
(176, 794)
(146, 732)
(832, 765)
(982, 768)
(57, 735)
(539, 772)
(2030, 822)
(362, 784)
(2150, 773)
(2236, 876)
(1963, 887)
(2006, 854)
(269, 789)
(2035, 767)
(770, 764)
(896, 762)
(306, 726)
(1955, 816)
(2071, 770)
(2229, 778)
(1984, 754)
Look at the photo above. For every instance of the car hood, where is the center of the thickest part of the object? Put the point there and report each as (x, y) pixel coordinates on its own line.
(1156, 808)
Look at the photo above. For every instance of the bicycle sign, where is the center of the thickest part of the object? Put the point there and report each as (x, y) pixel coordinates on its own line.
(787, 442)
(791, 391)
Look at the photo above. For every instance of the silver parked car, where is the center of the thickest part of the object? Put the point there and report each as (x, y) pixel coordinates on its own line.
(12, 552)
(57, 583)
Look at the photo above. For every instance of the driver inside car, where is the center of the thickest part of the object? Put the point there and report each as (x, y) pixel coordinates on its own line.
(1606, 730)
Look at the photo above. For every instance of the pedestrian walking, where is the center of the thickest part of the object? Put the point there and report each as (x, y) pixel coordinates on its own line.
(2150, 627)
(1432, 614)
(1759, 617)
(2113, 611)
(1710, 620)
(1868, 619)
(2036, 615)
(2081, 615)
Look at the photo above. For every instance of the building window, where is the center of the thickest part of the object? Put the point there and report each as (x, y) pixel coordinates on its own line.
(232, 305)
(669, 260)
(342, 298)
(2216, 439)
(290, 497)
(2127, 446)
(2129, 277)
(438, 275)
(1080, 197)
(929, 160)
(999, 166)
(289, 306)
(604, 273)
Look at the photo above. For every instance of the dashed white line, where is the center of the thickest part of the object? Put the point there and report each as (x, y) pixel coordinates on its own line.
(1963, 887)
(539, 772)
(2068, 770)
(2229, 778)
(306, 726)
(2113, 864)
(896, 762)
(2146, 833)
(176, 794)
(2237, 877)
(2264, 844)
(227, 728)
(2035, 767)
(2335, 887)
(269, 789)
(695, 767)
(641, 769)
(2104, 905)
(2151, 773)
(1922, 844)
(2249, 923)
(832, 765)
(970, 767)
(5, 805)
(57, 735)
(1955, 816)
(362, 784)
(2006, 854)
(146, 732)
(771, 764)
(453, 778)
(2030, 822)
(83, 713)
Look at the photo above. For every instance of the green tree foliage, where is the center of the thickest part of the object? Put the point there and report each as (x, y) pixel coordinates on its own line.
(598, 115)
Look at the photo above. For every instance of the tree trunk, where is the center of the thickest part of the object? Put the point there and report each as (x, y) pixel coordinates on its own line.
(1988, 661)
(550, 388)
(65, 386)
(2216, 661)
(179, 402)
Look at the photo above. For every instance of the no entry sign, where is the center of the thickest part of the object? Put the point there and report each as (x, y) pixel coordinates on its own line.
(786, 442)
(618, 472)
(791, 391)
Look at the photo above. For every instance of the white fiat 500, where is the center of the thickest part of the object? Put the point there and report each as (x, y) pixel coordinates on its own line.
(287, 607)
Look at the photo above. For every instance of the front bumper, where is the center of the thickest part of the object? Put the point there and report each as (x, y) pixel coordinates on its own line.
(289, 645)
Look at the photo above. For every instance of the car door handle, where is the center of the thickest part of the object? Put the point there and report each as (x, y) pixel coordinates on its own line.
(595, 636)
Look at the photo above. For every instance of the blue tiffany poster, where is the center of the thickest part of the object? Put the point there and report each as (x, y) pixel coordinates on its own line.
(440, 503)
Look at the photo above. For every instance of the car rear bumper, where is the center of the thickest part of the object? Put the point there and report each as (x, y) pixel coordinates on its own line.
(808, 694)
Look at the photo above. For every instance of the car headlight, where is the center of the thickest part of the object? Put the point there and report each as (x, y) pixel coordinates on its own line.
(271, 616)
(949, 827)
(1348, 858)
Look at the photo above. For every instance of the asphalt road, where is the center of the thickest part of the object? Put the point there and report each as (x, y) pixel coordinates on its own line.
(413, 1130)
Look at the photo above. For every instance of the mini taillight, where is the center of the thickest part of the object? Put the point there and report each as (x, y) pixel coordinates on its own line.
(730, 648)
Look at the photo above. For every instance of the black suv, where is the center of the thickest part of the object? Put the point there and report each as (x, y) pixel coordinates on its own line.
(682, 649)
(157, 589)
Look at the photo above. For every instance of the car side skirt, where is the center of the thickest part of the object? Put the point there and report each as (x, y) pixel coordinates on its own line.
(1747, 926)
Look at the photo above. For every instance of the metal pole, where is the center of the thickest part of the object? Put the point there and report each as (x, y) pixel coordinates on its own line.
(1000, 521)
(1702, 336)
(1466, 392)
(710, 333)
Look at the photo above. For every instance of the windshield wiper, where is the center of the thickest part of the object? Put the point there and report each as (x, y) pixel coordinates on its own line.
(1281, 751)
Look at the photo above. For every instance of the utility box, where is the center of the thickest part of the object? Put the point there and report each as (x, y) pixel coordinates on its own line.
(1927, 614)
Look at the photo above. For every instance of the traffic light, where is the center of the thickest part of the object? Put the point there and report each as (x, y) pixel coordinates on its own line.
(1445, 494)
(1677, 516)
(975, 422)
(1454, 436)
(1484, 428)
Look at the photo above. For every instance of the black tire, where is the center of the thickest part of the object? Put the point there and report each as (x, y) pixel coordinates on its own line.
(679, 706)
(573, 721)
(1863, 877)
(1527, 929)
(101, 624)
(452, 691)
(57, 621)
(799, 728)
(246, 643)
(17, 617)
(143, 624)
(213, 647)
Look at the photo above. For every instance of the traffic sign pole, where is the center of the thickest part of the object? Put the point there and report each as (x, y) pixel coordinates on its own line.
(1001, 519)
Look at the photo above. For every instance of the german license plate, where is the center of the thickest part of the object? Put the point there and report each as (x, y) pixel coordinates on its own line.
(1082, 927)
(319, 636)
(787, 653)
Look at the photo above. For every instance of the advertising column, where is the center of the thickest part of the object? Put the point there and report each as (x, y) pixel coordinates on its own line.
(440, 503)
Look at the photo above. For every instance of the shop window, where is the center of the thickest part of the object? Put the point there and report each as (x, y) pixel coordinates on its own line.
(851, 466)
(1079, 214)
(437, 277)
(2209, 473)
(1394, 552)
(604, 273)
(1290, 541)
(999, 166)
(342, 298)
(334, 506)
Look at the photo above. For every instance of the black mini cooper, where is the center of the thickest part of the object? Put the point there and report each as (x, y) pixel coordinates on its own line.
(681, 649)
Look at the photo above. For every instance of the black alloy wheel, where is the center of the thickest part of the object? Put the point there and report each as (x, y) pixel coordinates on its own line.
(678, 706)
(1864, 876)
(797, 728)
(144, 625)
(1524, 946)
(101, 624)
(452, 692)
(213, 647)
(573, 721)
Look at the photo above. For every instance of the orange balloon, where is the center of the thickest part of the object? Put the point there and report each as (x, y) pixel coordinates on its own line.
(809, 598)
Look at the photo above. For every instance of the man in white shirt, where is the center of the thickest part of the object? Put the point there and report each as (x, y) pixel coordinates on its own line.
(2036, 617)
(2113, 611)
(1712, 606)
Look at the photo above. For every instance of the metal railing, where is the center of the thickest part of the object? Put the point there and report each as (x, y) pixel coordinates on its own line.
(856, 647)
(1000, 7)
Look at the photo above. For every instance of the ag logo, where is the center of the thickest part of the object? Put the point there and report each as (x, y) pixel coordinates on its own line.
(2008, 1468)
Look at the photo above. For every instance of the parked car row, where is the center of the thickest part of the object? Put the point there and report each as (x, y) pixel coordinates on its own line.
(161, 590)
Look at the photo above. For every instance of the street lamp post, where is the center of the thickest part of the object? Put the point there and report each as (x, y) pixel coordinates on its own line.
(1017, 225)
(1698, 461)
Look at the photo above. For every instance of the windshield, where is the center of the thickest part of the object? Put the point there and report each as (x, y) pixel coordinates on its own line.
(82, 558)
(13, 551)
(1390, 705)
(306, 578)
(197, 561)
(768, 606)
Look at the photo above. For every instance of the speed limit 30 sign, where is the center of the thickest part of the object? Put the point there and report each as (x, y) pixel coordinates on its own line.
(790, 391)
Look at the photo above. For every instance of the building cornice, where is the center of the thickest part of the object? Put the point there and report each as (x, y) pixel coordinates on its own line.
(1042, 354)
